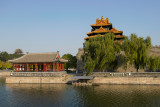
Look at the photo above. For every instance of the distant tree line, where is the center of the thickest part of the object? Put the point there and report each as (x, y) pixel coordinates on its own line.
(102, 53)
(5, 56)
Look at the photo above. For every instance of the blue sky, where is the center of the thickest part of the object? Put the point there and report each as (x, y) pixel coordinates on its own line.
(51, 25)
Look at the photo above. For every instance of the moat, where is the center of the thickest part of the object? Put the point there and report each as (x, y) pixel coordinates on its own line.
(63, 95)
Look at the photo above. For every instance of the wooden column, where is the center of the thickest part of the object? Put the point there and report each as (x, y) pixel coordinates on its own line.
(36, 67)
(16, 67)
(13, 67)
(58, 67)
(28, 68)
(62, 66)
(54, 67)
(44, 67)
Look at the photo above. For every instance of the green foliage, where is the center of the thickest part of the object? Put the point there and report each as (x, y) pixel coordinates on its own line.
(135, 49)
(31, 66)
(148, 42)
(13, 56)
(7, 65)
(1, 64)
(4, 56)
(154, 63)
(100, 53)
(72, 60)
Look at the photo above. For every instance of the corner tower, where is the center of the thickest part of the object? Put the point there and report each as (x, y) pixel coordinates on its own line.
(102, 27)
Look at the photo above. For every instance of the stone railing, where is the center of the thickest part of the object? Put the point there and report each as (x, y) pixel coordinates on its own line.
(38, 74)
(126, 74)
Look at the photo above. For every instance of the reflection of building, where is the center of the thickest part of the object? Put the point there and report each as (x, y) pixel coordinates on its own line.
(39, 62)
(102, 27)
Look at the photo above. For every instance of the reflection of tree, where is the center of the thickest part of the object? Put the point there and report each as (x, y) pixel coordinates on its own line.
(120, 95)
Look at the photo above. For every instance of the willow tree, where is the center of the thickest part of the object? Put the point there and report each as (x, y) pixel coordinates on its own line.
(154, 63)
(135, 49)
(100, 53)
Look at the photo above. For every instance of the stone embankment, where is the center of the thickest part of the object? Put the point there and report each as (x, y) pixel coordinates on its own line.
(126, 80)
(55, 80)
(98, 78)
(4, 73)
(39, 77)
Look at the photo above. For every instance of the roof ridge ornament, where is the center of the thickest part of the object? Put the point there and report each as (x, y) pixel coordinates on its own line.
(107, 20)
(97, 20)
(102, 17)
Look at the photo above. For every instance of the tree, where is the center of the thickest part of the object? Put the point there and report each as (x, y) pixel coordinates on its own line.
(72, 60)
(7, 65)
(1, 64)
(154, 63)
(136, 50)
(100, 53)
(13, 56)
(4, 56)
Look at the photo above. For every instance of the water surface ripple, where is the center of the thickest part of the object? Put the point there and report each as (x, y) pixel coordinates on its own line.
(62, 95)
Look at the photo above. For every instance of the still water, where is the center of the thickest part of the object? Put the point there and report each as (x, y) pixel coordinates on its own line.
(62, 95)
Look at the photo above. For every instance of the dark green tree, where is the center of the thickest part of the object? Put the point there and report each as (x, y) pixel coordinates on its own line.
(1, 64)
(4, 56)
(13, 56)
(72, 60)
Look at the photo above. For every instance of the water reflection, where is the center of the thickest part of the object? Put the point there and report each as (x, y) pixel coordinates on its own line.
(122, 95)
(62, 95)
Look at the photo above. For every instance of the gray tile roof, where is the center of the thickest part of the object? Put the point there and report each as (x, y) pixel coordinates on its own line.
(38, 57)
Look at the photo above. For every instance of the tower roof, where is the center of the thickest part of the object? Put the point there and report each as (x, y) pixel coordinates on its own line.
(102, 22)
(103, 26)
(102, 30)
(116, 36)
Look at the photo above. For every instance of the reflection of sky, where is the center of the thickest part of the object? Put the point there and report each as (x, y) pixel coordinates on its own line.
(46, 26)
(39, 94)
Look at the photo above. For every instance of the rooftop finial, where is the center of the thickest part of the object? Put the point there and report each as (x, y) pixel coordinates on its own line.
(102, 17)
(97, 20)
(107, 20)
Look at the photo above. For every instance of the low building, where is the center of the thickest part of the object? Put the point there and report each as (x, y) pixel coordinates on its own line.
(39, 62)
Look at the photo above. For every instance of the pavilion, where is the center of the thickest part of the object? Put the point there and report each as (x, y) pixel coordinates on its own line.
(39, 62)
